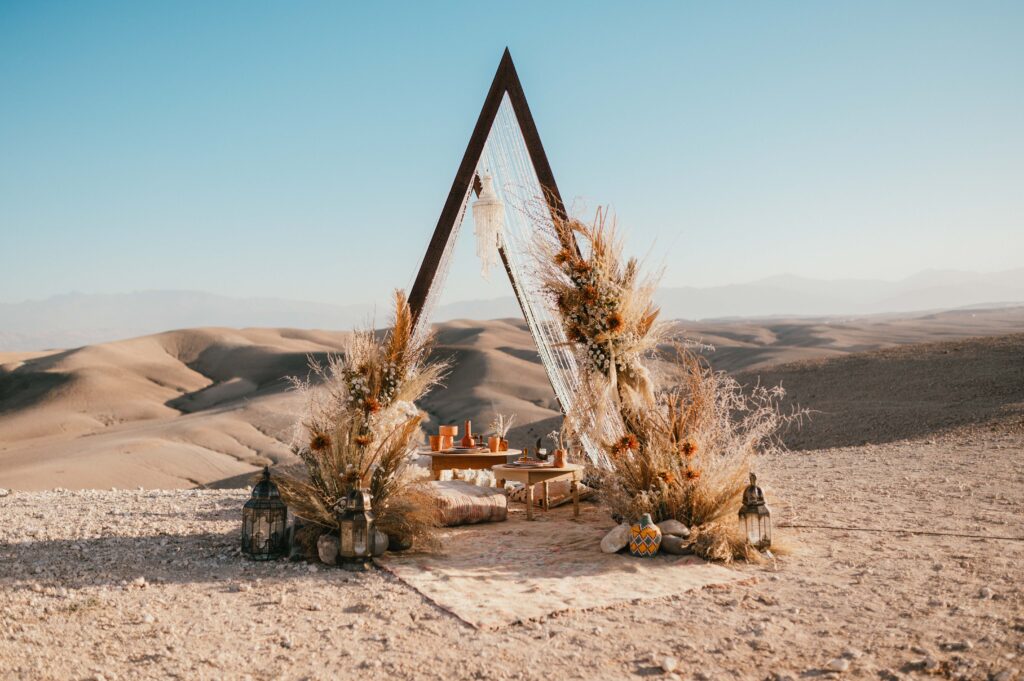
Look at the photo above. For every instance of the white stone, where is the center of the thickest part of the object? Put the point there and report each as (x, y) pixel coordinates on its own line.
(4, 492)
(139, 582)
(148, 619)
(985, 593)
(380, 543)
(674, 528)
(616, 540)
(839, 664)
(674, 545)
(669, 664)
(327, 548)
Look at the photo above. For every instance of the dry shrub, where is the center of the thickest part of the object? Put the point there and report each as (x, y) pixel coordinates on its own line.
(360, 428)
(678, 444)
(687, 456)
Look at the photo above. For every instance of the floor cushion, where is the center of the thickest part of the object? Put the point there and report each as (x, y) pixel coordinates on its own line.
(463, 503)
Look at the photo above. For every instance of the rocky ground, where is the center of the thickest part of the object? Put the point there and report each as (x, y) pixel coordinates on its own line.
(907, 563)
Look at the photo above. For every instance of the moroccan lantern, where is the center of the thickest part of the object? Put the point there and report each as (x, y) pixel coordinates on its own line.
(356, 531)
(265, 521)
(755, 518)
(488, 218)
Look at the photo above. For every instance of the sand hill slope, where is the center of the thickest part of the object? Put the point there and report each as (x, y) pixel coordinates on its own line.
(904, 392)
(197, 406)
(202, 406)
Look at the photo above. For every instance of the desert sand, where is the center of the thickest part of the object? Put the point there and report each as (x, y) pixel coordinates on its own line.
(211, 406)
(901, 502)
(921, 576)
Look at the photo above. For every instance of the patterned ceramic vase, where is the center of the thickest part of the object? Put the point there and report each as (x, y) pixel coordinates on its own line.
(644, 538)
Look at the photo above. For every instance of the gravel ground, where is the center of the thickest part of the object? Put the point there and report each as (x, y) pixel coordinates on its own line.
(150, 585)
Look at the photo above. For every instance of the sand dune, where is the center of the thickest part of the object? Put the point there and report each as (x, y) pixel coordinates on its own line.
(904, 392)
(754, 343)
(211, 405)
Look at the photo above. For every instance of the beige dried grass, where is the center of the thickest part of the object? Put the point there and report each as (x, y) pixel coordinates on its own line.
(360, 427)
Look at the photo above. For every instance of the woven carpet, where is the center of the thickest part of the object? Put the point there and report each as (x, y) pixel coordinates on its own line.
(496, 574)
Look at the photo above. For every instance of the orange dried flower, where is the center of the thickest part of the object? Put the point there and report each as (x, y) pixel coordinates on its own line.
(614, 322)
(577, 335)
(363, 440)
(626, 443)
(319, 442)
(589, 293)
(563, 256)
(372, 405)
(667, 477)
(688, 448)
(691, 473)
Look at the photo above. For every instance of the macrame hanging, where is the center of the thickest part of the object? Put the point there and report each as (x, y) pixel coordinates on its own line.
(489, 218)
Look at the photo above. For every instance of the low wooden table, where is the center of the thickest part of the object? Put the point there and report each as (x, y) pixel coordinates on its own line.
(477, 460)
(531, 476)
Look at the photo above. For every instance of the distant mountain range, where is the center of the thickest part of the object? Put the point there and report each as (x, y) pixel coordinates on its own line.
(77, 319)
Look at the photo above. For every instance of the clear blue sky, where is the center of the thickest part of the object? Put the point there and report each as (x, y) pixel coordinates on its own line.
(303, 150)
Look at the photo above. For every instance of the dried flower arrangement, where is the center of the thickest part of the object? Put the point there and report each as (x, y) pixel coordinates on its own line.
(606, 308)
(688, 456)
(360, 426)
(681, 449)
(559, 438)
(502, 424)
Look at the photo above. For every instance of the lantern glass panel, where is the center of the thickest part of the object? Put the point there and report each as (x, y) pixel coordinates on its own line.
(346, 546)
(753, 531)
(359, 541)
(766, 530)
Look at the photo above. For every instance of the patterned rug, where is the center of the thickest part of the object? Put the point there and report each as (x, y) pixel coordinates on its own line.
(496, 574)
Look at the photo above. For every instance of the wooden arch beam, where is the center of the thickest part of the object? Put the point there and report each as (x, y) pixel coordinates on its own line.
(506, 81)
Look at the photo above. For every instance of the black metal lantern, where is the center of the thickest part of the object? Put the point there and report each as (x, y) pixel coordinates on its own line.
(755, 517)
(265, 521)
(356, 532)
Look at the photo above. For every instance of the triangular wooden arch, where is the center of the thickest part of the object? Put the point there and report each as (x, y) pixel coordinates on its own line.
(545, 327)
(506, 81)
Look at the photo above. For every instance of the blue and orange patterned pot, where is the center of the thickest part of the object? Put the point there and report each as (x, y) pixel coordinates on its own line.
(644, 538)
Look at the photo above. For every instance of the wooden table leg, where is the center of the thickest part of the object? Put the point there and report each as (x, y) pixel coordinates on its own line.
(529, 500)
(436, 470)
(546, 506)
(575, 498)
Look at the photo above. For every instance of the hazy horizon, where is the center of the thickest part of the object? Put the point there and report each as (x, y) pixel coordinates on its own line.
(75, 319)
